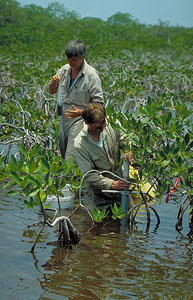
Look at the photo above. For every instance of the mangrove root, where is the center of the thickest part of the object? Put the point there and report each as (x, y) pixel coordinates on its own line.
(183, 207)
(131, 216)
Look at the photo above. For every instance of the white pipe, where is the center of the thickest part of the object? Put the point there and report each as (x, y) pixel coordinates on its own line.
(126, 200)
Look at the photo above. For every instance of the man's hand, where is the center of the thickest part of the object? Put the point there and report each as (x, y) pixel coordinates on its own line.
(71, 114)
(53, 87)
(120, 185)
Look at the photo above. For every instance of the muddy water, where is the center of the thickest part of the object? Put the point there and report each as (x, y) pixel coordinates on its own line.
(107, 264)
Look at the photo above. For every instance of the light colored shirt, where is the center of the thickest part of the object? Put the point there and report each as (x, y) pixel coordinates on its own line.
(85, 88)
(100, 143)
(89, 156)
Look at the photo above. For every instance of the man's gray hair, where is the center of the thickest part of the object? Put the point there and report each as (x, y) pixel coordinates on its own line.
(75, 48)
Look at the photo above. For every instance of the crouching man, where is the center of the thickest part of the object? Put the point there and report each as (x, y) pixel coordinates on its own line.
(97, 147)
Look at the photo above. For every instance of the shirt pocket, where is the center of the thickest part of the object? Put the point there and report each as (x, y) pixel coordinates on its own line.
(100, 162)
(96, 158)
(80, 96)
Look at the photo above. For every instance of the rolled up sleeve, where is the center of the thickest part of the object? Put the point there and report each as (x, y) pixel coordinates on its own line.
(95, 88)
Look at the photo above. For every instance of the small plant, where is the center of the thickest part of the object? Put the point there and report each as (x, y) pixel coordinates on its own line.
(40, 174)
(117, 212)
(99, 215)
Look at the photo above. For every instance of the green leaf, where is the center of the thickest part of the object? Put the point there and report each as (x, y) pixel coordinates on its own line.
(45, 163)
(118, 212)
(35, 150)
(29, 203)
(13, 193)
(13, 160)
(26, 189)
(176, 150)
(116, 126)
(34, 192)
(94, 213)
(25, 168)
(190, 171)
(187, 138)
(141, 110)
(55, 164)
(77, 172)
(115, 209)
(102, 213)
(135, 166)
(98, 215)
(168, 118)
(23, 150)
(38, 178)
(63, 182)
(2, 159)
(25, 182)
(43, 195)
(34, 180)
(50, 181)
(60, 171)
(7, 184)
(15, 177)
(165, 163)
(47, 206)
(70, 165)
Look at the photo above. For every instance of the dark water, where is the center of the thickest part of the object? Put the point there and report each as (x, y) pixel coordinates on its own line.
(105, 265)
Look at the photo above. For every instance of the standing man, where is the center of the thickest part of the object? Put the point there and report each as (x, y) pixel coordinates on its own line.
(79, 85)
(97, 147)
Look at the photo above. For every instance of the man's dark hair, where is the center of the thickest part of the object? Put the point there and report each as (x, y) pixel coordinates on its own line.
(75, 48)
(94, 112)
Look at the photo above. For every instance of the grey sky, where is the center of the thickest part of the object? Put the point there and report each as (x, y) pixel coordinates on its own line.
(176, 12)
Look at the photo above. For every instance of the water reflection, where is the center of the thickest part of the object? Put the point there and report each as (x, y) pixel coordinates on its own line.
(139, 264)
(109, 265)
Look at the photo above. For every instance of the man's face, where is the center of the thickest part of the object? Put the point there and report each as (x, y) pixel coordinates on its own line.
(96, 127)
(75, 61)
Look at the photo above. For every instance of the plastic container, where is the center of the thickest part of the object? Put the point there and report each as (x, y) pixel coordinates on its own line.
(65, 202)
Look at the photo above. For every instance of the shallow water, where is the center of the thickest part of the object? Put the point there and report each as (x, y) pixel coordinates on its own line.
(106, 264)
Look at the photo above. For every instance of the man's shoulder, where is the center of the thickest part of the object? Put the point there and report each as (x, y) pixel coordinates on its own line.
(63, 69)
(111, 133)
(66, 66)
(109, 128)
(79, 138)
(89, 69)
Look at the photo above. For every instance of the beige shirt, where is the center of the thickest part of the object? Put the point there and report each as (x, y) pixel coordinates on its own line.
(86, 88)
(90, 156)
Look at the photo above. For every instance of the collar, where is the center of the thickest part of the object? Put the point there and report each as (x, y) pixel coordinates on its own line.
(83, 69)
(85, 131)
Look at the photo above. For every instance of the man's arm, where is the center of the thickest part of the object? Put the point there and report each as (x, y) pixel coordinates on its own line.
(95, 179)
(95, 88)
(76, 112)
(85, 164)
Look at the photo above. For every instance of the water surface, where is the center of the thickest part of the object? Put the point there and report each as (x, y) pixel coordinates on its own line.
(106, 264)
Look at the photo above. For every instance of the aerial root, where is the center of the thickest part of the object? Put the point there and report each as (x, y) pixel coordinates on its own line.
(67, 233)
(132, 216)
(182, 209)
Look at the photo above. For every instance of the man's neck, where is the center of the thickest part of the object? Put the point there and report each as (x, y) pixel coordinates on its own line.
(74, 73)
(95, 136)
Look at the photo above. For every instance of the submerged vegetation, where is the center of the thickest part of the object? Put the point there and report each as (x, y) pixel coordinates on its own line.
(146, 73)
